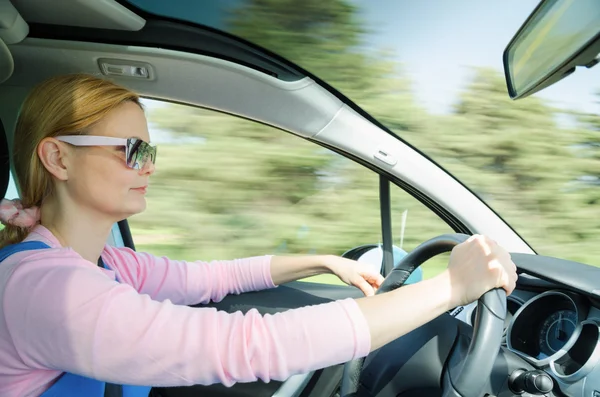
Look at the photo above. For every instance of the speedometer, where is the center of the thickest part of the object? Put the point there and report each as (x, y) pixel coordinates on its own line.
(546, 325)
(555, 332)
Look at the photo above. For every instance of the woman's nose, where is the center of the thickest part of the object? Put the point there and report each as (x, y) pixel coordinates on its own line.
(148, 168)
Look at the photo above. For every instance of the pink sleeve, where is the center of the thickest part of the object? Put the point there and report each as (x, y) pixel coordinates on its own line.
(188, 283)
(73, 318)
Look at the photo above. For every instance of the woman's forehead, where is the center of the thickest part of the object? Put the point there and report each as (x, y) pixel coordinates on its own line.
(126, 121)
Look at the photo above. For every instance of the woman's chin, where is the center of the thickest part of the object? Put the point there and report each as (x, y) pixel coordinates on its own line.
(135, 207)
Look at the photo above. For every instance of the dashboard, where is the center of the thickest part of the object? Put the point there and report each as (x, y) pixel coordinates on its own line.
(555, 331)
(550, 344)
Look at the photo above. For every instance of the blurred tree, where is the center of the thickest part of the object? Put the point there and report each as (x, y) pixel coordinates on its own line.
(514, 138)
(521, 162)
(589, 144)
(323, 37)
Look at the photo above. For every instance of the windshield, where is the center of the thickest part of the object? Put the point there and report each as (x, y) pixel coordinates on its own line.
(432, 72)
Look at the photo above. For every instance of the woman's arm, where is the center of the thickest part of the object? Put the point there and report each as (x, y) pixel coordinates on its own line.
(188, 283)
(289, 268)
(78, 320)
(201, 282)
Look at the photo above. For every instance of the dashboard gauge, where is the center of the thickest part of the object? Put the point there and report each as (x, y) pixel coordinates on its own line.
(545, 328)
(555, 331)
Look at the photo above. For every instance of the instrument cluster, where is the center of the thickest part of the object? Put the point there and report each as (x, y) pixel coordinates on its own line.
(552, 330)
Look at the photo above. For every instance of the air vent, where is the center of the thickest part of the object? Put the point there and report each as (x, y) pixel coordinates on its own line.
(125, 68)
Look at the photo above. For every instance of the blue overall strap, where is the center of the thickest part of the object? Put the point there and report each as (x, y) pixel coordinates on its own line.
(24, 246)
(71, 385)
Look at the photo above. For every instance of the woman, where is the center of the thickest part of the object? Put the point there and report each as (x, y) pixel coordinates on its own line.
(83, 162)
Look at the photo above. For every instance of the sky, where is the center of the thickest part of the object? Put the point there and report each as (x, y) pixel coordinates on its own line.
(437, 41)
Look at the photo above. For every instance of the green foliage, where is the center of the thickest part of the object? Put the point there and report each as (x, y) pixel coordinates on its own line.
(246, 189)
(516, 156)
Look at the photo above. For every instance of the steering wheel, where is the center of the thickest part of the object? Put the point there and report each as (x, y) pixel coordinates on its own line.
(468, 368)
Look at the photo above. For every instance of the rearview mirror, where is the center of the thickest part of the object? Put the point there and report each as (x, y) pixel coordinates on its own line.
(556, 38)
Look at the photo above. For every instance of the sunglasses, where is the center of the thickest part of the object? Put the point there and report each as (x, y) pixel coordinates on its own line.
(137, 151)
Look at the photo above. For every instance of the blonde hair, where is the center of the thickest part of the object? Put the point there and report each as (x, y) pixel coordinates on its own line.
(61, 105)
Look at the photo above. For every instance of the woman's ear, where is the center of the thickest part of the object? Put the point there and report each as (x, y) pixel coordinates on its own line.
(55, 157)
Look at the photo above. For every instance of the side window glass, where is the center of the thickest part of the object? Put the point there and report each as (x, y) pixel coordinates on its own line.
(412, 224)
(226, 187)
(11, 191)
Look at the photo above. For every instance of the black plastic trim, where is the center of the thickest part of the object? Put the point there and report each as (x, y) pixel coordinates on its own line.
(126, 234)
(324, 382)
(386, 224)
(580, 277)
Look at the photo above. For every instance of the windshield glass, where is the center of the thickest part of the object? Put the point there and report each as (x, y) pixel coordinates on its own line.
(432, 72)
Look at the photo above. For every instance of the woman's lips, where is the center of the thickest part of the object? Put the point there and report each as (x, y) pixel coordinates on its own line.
(141, 189)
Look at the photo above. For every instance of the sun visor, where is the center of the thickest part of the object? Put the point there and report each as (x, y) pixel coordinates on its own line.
(13, 28)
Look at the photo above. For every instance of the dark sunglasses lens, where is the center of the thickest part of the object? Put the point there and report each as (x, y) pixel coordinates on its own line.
(139, 152)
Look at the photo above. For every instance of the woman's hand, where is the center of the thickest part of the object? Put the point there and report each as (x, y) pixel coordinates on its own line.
(358, 274)
(289, 268)
(477, 266)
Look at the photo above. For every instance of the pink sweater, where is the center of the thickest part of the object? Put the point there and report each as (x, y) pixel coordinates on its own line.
(62, 313)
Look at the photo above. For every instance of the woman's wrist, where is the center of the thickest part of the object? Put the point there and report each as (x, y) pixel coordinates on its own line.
(444, 287)
(289, 268)
(316, 264)
(439, 288)
(325, 264)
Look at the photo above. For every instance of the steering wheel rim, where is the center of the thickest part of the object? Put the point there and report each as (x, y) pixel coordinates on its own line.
(468, 368)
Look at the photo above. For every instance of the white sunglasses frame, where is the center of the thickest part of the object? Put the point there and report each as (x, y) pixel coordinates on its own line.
(95, 140)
